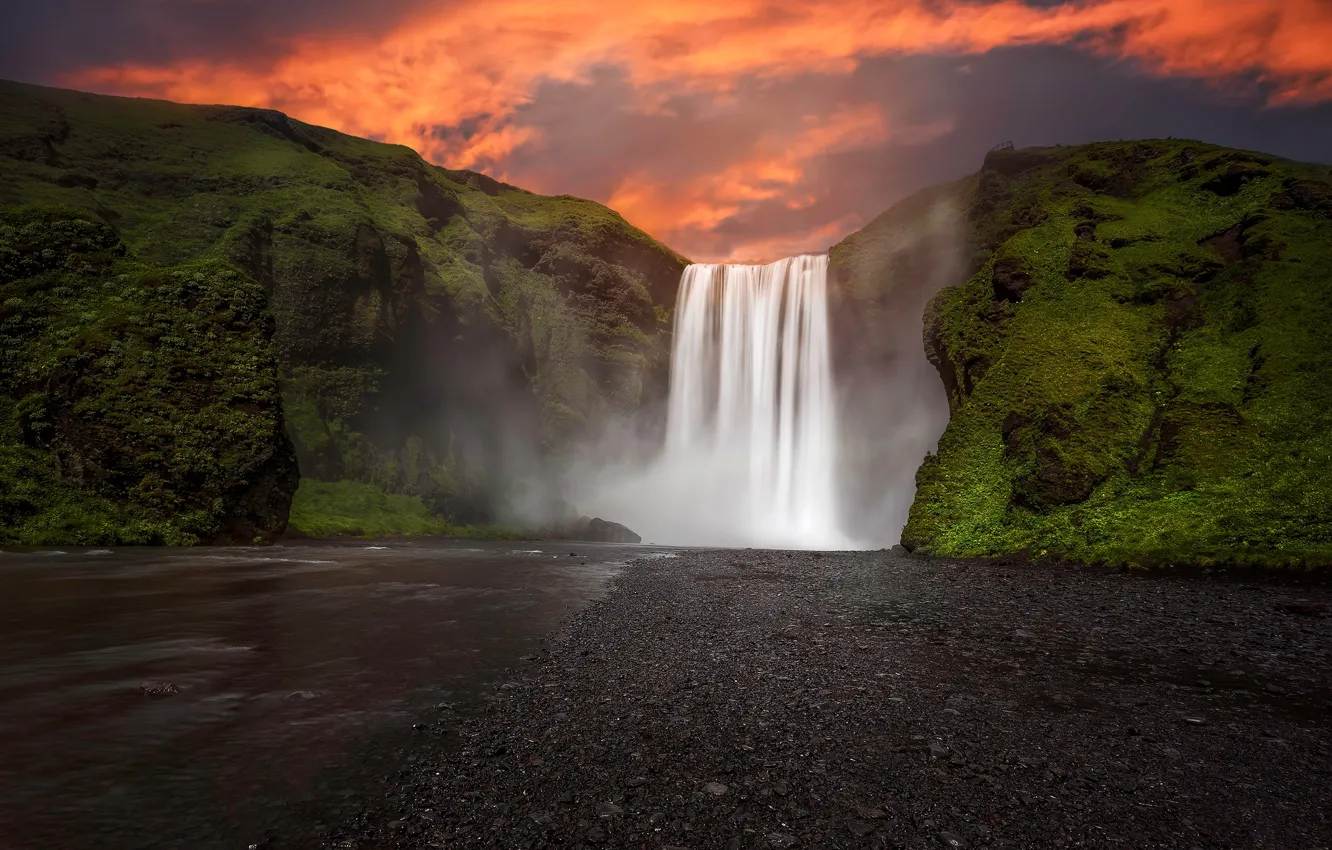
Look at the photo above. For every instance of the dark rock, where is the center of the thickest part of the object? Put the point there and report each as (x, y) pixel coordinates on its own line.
(780, 840)
(156, 690)
(950, 839)
(1305, 608)
(1013, 161)
(861, 828)
(1010, 279)
(604, 531)
(1235, 177)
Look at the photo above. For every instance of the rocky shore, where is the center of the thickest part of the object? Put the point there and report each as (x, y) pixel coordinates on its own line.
(750, 699)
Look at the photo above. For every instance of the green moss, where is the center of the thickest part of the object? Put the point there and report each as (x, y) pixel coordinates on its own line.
(140, 404)
(356, 509)
(1157, 391)
(396, 287)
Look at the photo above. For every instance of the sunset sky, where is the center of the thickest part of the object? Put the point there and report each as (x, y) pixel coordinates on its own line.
(730, 130)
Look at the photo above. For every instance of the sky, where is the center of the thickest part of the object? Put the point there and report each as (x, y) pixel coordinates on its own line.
(732, 131)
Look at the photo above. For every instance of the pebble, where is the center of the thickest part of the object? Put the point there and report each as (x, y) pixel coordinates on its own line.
(702, 704)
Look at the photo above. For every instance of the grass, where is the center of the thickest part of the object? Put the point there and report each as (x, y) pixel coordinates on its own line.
(1159, 390)
(398, 289)
(356, 509)
(140, 404)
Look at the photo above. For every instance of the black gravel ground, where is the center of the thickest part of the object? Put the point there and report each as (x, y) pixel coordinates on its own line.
(745, 699)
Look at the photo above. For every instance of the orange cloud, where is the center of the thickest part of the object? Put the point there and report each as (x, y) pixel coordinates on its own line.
(682, 210)
(480, 61)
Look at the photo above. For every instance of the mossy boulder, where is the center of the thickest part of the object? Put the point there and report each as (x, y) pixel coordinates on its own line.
(1139, 362)
(138, 404)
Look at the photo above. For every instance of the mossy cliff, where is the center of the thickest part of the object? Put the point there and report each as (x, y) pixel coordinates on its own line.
(431, 326)
(1139, 369)
(138, 404)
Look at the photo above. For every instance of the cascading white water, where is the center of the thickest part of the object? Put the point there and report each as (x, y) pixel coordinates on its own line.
(752, 433)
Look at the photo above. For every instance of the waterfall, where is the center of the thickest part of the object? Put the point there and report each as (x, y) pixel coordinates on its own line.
(752, 431)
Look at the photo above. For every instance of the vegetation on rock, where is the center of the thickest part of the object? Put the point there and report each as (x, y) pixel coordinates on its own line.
(1140, 368)
(138, 404)
(431, 325)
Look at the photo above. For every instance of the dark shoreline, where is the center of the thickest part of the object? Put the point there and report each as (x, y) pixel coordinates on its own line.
(880, 700)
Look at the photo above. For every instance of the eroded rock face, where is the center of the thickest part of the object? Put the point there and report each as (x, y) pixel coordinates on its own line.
(1114, 383)
(425, 322)
(137, 404)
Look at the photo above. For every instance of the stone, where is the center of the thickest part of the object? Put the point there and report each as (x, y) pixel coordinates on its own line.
(1305, 608)
(605, 531)
(716, 789)
(950, 839)
(157, 690)
(861, 828)
(782, 839)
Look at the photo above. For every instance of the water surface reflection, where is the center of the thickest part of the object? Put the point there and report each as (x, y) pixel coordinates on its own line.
(295, 664)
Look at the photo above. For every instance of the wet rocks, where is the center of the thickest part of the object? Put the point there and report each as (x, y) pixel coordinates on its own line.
(594, 530)
(604, 531)
(158, 690)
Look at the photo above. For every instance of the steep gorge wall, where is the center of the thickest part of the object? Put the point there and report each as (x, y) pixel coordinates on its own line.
(437, 334)
(1140, 368)
(138, 404)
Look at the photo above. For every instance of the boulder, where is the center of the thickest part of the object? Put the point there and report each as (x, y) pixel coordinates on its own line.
(605, 531)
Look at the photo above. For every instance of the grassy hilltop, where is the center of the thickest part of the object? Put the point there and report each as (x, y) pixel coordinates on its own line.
(1139, 366)
(425, 321)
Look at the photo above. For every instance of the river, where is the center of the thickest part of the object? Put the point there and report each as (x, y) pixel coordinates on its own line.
(301, 671)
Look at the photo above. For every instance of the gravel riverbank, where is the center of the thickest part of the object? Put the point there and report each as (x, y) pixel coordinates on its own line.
(747, 699)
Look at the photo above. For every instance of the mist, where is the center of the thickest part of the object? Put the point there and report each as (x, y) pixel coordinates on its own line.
(753, 473)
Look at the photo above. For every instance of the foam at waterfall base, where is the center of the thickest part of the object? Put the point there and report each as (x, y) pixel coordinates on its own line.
(750, 456)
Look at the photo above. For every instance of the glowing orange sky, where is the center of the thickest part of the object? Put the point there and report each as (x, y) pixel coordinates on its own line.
(480, 63)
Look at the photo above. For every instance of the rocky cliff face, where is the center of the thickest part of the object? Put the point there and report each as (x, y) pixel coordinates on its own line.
(437, 333)
(138, 404)
(1139, 365)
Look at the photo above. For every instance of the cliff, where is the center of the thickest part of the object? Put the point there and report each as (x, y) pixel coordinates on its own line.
(437, 334)
(138, 404)
(1138, 364)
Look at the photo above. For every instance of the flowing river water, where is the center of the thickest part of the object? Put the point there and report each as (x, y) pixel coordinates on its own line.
(301, 669)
